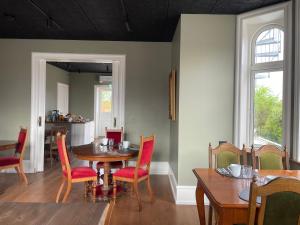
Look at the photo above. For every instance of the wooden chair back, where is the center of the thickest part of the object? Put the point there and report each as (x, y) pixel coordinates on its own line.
(21, 145)
(256, 155)
(282, 189)
(116, 134)
(63, 155)
(145, 154)
(225, 147)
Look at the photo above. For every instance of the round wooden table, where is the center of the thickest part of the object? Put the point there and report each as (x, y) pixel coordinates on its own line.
(92, 153)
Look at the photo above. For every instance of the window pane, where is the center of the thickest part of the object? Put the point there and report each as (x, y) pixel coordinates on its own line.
(269, 46)
(106, 100)
(268, 108)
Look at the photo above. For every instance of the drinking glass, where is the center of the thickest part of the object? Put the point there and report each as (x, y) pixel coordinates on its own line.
(247, 172)
(111, 142)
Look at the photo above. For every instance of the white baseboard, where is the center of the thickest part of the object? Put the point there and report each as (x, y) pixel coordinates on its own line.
(158, 168)
(27, 168)
(183, 195)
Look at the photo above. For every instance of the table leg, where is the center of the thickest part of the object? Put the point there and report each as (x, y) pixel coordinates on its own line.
(106, 175)
(200, 204)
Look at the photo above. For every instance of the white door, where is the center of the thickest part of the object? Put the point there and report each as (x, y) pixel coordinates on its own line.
(104, 116)
(63, 98)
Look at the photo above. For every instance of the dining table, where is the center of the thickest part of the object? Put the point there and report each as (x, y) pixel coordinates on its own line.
(96, 153)
(7, 144)
(223, 192)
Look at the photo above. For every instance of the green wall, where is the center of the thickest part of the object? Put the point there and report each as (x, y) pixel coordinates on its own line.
(173, 160)
(82, 94)
(206, 86)
(147, 68)
(54, 75)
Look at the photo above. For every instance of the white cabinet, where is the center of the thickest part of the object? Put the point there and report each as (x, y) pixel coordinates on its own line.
(82, 133)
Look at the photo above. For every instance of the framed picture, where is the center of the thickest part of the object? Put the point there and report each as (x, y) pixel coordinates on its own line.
(172, 95)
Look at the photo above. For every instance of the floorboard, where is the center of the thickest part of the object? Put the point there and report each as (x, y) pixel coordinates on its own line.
(44, 186)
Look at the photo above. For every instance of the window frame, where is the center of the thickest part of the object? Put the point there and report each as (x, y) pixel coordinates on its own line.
(273, 64)
(243, 67)
(262, 68)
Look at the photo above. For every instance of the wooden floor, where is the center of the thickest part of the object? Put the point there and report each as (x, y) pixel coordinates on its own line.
(44, 186)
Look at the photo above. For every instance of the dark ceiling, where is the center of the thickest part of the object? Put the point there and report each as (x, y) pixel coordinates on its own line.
(104, 68)
(116, 20)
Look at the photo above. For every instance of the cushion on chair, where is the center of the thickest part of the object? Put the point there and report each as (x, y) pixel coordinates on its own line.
(270, 161)
(82, 172)
(117, 164)
(282, 208)
(128, 172)
(6, 161)
(225, 158)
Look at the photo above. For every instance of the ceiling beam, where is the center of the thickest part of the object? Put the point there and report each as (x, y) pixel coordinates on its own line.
(84, 13)
(126, 17)
(50, 20)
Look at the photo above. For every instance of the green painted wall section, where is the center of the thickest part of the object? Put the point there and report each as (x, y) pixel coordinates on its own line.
(206, 83)
(82, 94)
(147, 68)
(54, 75)
(174, 124)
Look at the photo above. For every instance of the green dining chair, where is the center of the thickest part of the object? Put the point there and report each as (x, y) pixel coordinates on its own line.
(270, 157)
(225, 154)
(280, 202)
(221, 157)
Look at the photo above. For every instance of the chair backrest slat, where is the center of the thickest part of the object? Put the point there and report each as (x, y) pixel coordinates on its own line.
(277, 198)
(145, 152)
(270, 157)
(225, 154)
(22, 138)
(63, 155)
(116, 134)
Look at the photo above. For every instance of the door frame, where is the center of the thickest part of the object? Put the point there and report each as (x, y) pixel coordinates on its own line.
(38, 94)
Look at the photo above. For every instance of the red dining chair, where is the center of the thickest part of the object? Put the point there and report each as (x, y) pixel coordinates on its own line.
(118, 136)
(73, 175)
(139, 173)
(16, 161)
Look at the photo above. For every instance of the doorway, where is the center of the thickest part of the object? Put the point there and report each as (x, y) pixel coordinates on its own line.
(38, 86)
(103, 108)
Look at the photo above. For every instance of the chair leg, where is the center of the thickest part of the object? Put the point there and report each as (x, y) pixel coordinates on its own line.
(136, 191)
(67, 192)
(20, 168)
(60, 190)
(51, 157)
(150, 190)
(210, 212)
(114, 191)
(86, 189)
(94, 185)
(98, 175)
(18, 172)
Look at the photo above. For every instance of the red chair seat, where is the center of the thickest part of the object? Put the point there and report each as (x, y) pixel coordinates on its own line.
(6, 161)
(82, 172)
(128, 172)
(116, 164)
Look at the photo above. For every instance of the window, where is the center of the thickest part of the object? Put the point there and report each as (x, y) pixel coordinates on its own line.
(267, 87)
(269, 46)
(263, 98)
